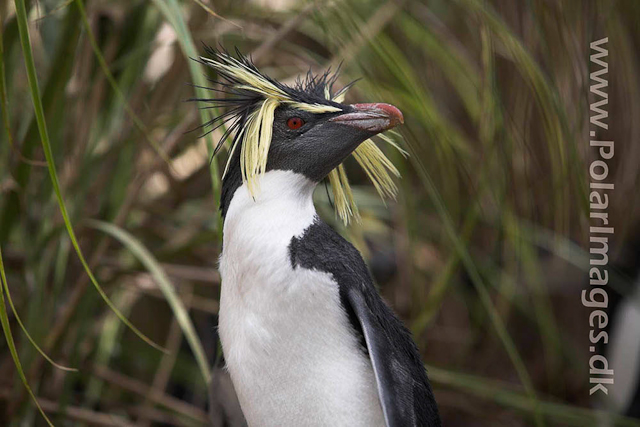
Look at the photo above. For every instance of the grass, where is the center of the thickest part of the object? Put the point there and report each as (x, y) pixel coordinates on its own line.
(482, 254)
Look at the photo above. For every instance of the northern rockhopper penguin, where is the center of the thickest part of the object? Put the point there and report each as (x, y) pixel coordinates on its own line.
(307, 339)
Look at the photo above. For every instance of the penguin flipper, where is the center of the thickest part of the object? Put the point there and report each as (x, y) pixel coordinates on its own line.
(405, 393)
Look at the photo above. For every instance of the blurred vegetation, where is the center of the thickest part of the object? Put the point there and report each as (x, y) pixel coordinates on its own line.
(103, 187)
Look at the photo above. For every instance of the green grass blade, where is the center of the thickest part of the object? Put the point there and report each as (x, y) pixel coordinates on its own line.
(508, 396)
(44, 136)
(152, 265)
(5, 286)
(4, 319)
(173, 13)
(114, 85)
(214, 14)
(4, 105)
(55, 10)
(478, 283)
(53, 101)
(3, 91)
(110, 335)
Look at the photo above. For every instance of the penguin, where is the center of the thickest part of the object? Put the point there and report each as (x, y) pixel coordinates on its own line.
(622, 343)
(307, 339)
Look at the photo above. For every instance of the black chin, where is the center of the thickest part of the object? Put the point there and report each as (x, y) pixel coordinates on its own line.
(318, 151)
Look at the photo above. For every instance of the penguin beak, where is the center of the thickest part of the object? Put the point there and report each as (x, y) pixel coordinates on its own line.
(373, 118)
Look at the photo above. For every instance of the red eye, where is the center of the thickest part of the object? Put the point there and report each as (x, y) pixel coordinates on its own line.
(295, 122)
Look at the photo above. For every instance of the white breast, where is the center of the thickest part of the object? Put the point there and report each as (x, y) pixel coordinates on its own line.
(288, 344)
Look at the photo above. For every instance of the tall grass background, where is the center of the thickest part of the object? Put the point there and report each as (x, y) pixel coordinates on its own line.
(109, 223)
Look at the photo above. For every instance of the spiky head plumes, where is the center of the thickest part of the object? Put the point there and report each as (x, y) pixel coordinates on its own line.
(250, 100)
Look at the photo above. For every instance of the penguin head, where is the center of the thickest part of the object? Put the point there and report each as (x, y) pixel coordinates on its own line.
(305, 128)
(314, 144)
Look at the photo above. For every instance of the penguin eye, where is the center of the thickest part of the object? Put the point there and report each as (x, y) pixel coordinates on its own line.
(295, 123)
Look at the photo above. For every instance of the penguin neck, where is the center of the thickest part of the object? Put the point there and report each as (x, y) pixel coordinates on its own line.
(274, 186)
(280, 206)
